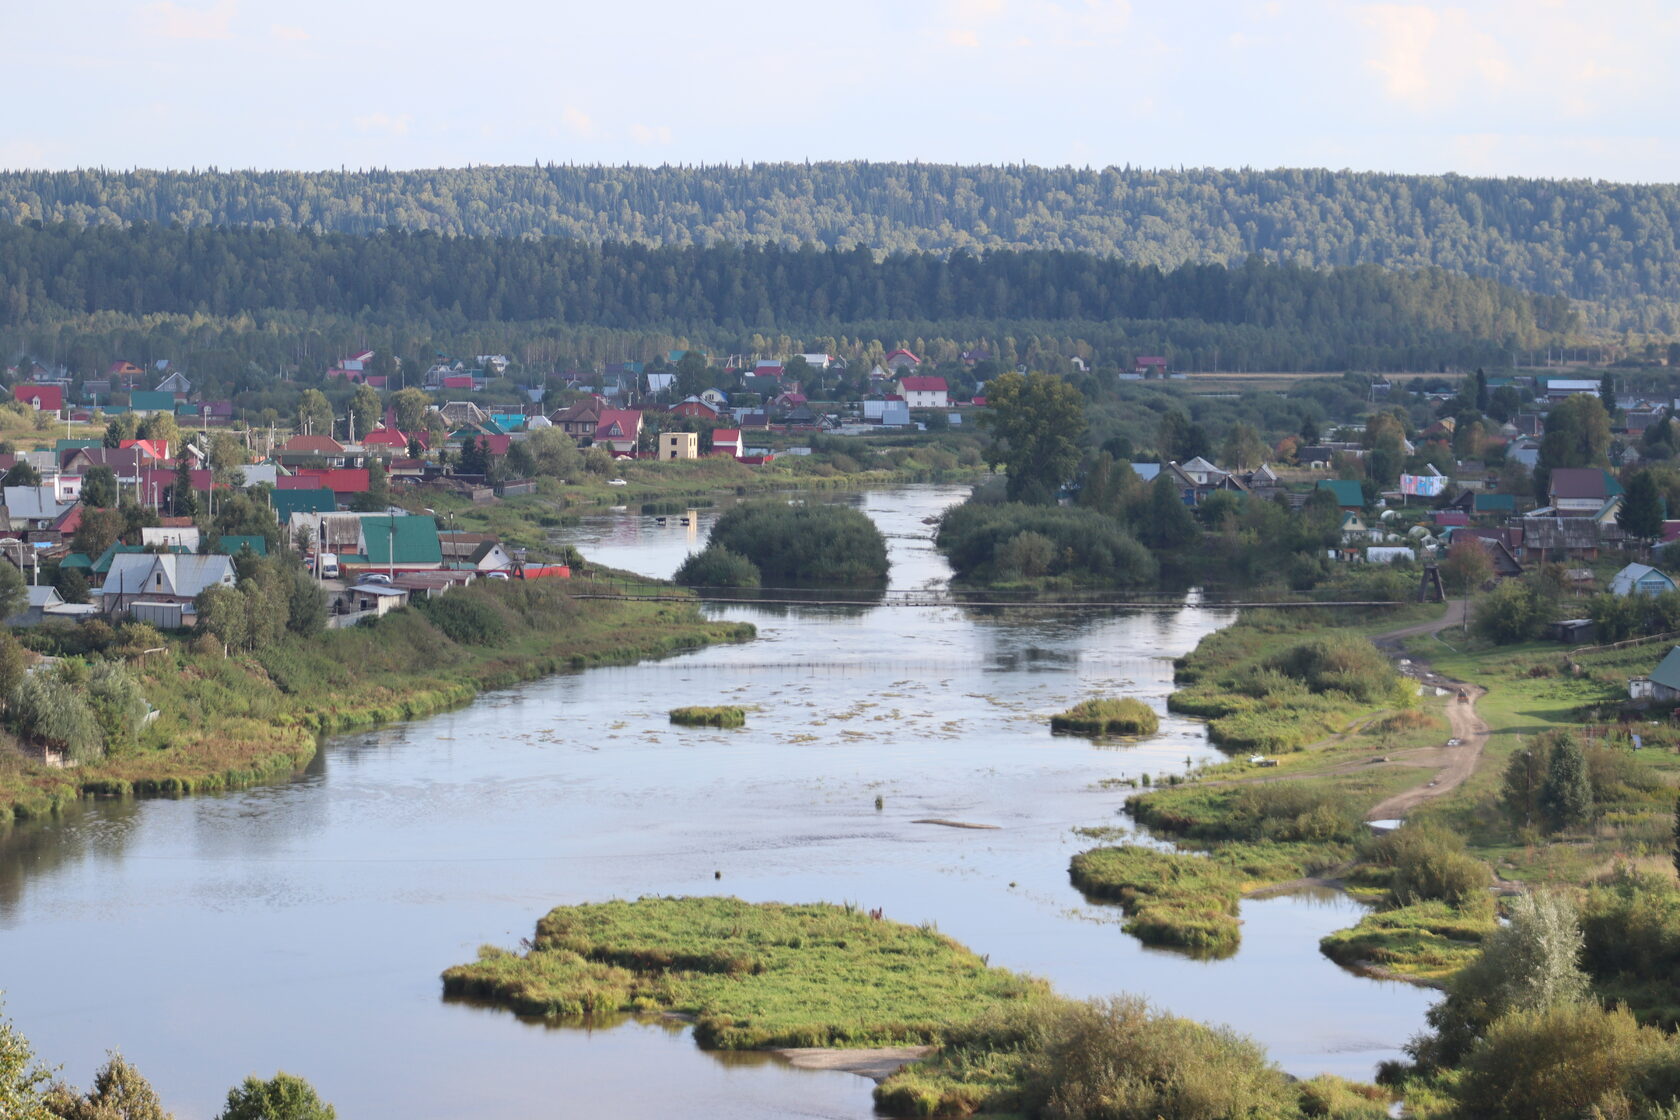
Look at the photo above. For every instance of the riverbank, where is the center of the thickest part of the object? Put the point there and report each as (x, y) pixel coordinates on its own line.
(232, 721)
(1346, 736)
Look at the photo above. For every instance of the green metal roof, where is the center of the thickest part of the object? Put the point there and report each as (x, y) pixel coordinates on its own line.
(76, 560)
(1506, 503)
(414, 540)
(1667, 672)
(1347, 491)
(144, 398)
(64, 445)
(288, 502)
(230, 546)
(103, 564)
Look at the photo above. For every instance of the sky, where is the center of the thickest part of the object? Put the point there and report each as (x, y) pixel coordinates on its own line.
(1549, 88)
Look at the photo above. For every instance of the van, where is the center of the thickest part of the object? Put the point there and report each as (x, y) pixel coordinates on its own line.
(329, 565)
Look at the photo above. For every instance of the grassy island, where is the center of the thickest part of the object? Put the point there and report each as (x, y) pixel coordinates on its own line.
(229, 721)
(772, 975)
(1170, 898)
(1124, 716)
(709, 717)
(751, 975)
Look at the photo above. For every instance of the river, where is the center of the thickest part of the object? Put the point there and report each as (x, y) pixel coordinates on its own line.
(302, 925)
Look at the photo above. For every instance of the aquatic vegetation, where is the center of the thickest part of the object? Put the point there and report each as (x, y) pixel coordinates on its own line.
(1170, 898)
(752, 975)
(709, 717)
(1123, 716)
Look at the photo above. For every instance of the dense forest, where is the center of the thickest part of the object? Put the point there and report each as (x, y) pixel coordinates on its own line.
(1615, 247)
(1254, 315)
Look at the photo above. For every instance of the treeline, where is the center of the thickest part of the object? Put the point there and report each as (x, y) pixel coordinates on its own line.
(1306, 319)
(1615, 246)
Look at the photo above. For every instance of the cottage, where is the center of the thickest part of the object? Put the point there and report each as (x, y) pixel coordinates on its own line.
(924, 392)
(1559, 388)
(169, 578)
(695, 408)
(1663, 685)
(901, 360)
(146, 402)
(185, 538)
(34, 508)
(1578, 490)
(176, 385)
(619, 430)
(46, 605)
(42, 398)
(726, 441)
(1640, 579)
(578, 420)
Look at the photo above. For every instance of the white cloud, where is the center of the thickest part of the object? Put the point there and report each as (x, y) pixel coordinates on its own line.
(384, 122)
(289, 34)
(577, 121)
(168, 20)
(650, 134)
(1568, 58)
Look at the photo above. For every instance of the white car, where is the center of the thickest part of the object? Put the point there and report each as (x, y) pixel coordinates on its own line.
(617, 482)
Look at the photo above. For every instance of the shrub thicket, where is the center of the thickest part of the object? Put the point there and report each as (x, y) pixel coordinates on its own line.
(717, 566)
(819, 544)
(1011, 542)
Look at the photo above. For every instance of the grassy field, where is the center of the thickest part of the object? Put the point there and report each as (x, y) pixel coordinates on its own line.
(232, 721)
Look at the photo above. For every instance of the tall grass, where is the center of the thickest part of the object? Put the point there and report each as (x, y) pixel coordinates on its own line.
(1170, 898)
(1123, 716)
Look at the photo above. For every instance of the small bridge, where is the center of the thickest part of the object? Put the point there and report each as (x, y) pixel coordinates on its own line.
(626, 590)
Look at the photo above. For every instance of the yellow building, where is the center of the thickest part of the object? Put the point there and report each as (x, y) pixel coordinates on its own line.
(679, 445)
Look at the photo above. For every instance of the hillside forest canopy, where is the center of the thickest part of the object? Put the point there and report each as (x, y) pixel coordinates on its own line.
(1612, 246)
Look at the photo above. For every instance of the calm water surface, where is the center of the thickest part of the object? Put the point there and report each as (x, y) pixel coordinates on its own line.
(303, 926)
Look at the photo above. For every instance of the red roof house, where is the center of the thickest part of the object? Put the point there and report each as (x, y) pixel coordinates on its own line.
(46, 398)
(618, 430)
(727, 441)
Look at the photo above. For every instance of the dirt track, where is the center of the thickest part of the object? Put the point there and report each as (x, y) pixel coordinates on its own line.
(1456, 763)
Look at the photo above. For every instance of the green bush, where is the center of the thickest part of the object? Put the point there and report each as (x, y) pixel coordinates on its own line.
(467, 616)
(1124, 716)
(717, 566)
(1429, 864)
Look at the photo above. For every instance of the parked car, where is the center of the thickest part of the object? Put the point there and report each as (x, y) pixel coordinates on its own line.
(496, 575)
(376, 577)
(617, 482)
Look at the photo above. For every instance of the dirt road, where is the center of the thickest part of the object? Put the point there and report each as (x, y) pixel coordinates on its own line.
(1456, 763)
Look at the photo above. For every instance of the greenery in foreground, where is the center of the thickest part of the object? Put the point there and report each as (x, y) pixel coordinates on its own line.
(1121, 716)
(233, 720)
(772, 974)
(709, 717)
(120, 1092)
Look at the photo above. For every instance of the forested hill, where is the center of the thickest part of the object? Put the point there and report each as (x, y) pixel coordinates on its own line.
(1615, 246)
(69, 269)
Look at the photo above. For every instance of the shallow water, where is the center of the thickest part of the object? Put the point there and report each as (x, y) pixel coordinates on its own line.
(303, 925)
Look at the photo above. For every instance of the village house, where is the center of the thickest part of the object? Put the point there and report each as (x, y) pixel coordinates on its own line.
(695, 409)
(901, 360)
(726, 441)
(578, 420)
(1640, 579)
(1349, 494)
(924, 392)
(678, 445)
(1578, 490)
(168, 580)
(42, 398)
(618, 431)
(1663, 684)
